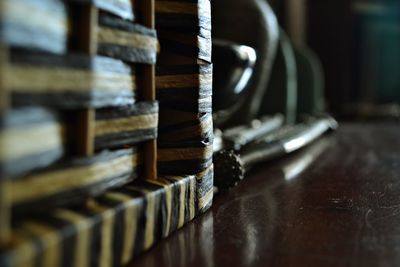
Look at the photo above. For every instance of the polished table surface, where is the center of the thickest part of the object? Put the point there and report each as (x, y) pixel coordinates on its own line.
(336, 203)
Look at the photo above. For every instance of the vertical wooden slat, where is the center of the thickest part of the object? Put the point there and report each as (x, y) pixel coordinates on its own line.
(4, 98)
(88, 17)
(4, 185)
(147, 18)
(5, 216)
(85, 128)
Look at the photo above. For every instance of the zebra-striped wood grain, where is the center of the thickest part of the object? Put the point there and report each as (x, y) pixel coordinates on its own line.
(126, 125)
(187, 47)
(184, 82)
(112, 229)
(187, 157)
(73, 180)
(70, 81)
(199, 128)
(126, 40)
(193, 16)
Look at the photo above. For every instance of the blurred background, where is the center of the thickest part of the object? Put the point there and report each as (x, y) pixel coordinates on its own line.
(358, 44)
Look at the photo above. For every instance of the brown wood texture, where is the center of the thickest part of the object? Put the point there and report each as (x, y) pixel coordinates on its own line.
(148, 73)
(4, 213)
(85, 129)
(4, 98)
(335, 203)
(87, 44)
(4, 192)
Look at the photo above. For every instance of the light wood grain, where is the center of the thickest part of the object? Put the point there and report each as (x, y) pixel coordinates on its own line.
(124, 38)
(52, 182)
(35, 79)
(25, 141)
(113, 126)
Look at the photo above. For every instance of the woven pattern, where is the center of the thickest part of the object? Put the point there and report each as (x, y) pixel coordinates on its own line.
(111, 230)
(75, 117)
(78, 122)
(184, 86)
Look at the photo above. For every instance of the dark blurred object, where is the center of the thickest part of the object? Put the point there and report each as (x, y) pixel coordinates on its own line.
(373, 112)
(230, 167)
(378, 51)
(233, 68)
(251, 132)
(239, 136)
(281, 95)
(251, 23)
(310, 82)
(296, 85)
(359, 46)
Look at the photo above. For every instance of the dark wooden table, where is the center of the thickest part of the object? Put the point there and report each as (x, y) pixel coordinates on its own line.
(336, 203)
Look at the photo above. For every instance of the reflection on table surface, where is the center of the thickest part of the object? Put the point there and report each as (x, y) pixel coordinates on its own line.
(336, 203)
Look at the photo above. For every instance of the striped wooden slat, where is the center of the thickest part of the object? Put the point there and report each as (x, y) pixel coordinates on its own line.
(188, 157)
(184, 30)
(205, 189)
(184, 48)
(73, 180)
(196, 106)
(198, 128)
(186, 148)
(192, 16)
(184, 93)
(22, 24)
(184, 86)
(184, 82)
(110, 230)
(125, 40)
(126, 125)
(70, 81)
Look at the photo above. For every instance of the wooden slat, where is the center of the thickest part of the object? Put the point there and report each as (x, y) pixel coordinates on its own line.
(4, 191)
(4, 98)
(4, 211)
(85, 128)
(92, 175)
(88, 18)
(87, 44)
(147, 9)
(111, 229)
